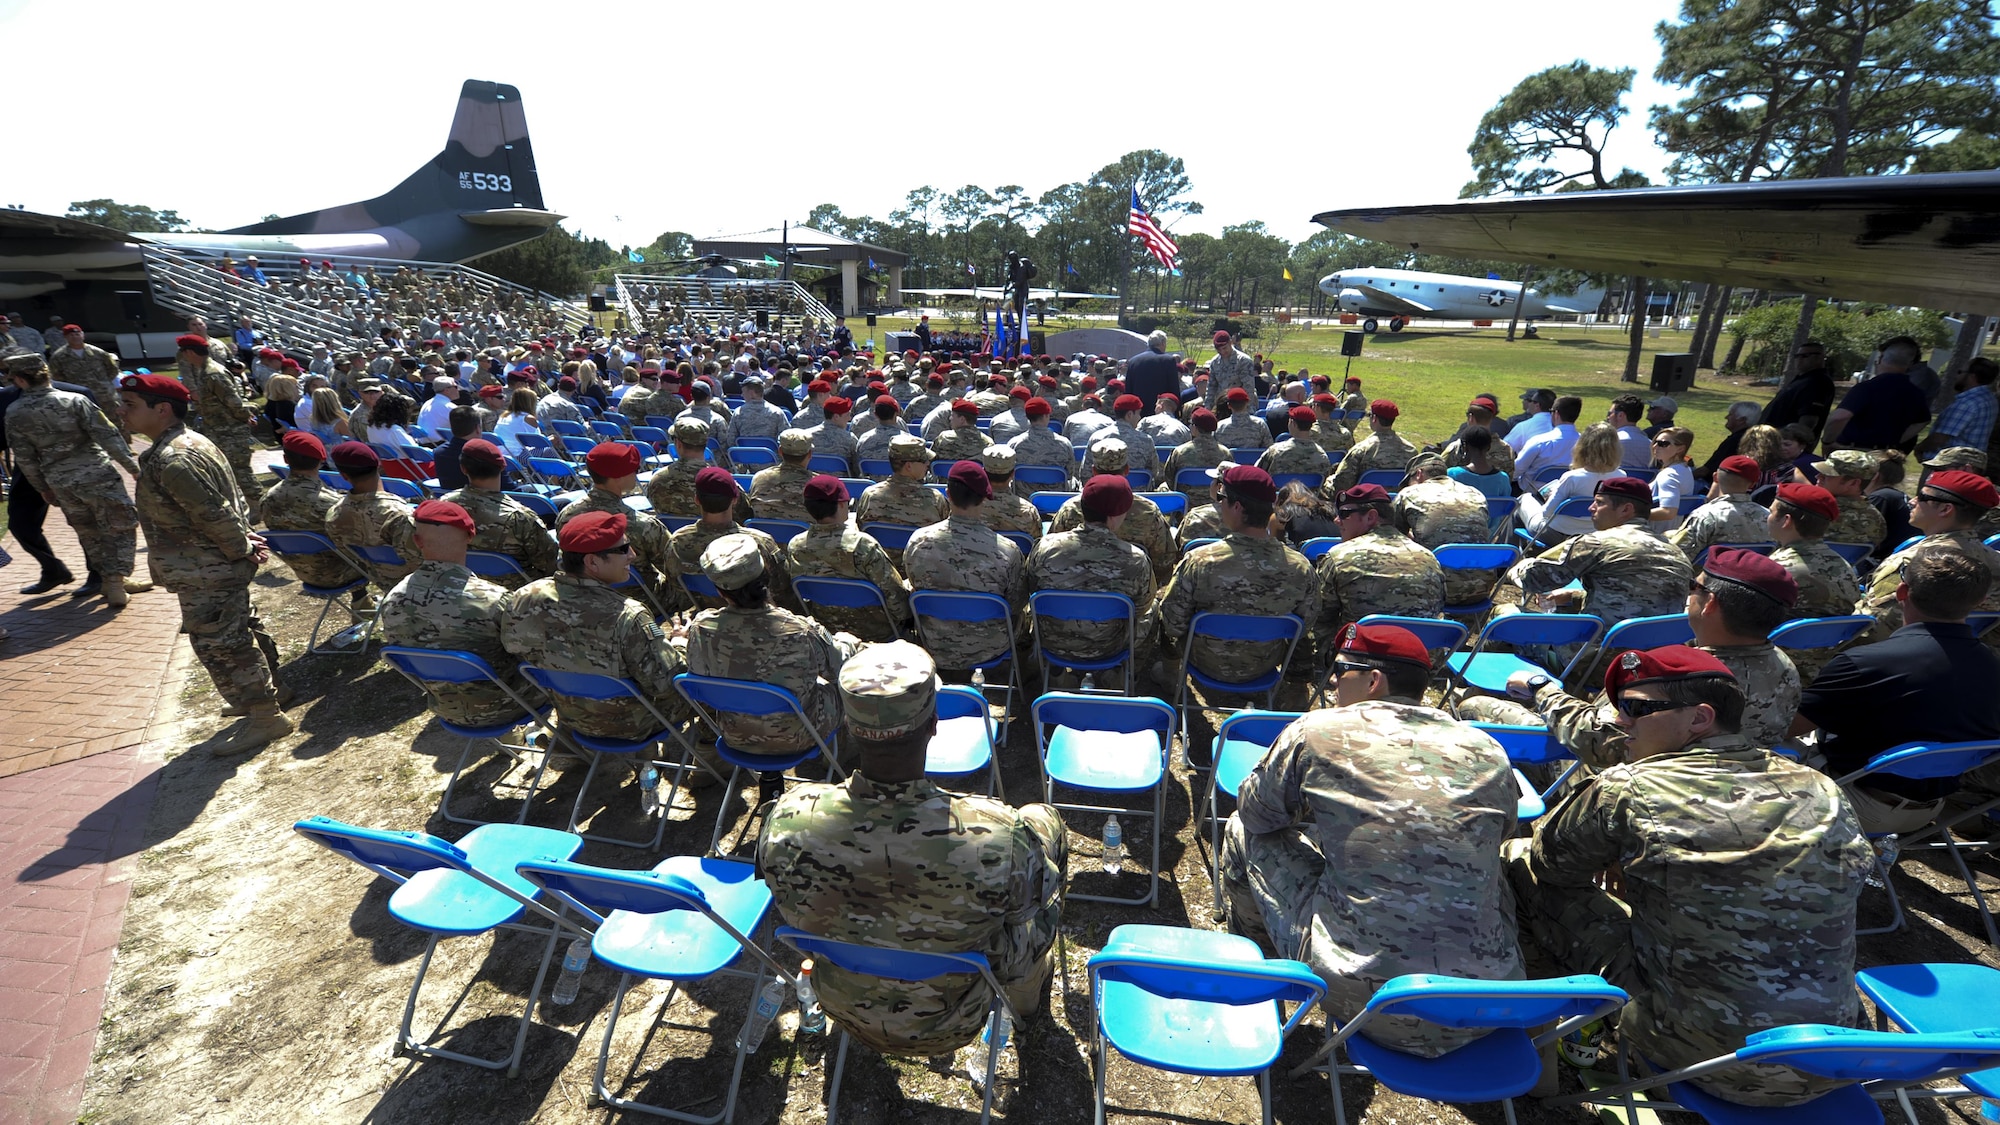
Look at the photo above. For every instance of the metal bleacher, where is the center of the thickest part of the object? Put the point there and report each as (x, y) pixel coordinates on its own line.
(710, 300)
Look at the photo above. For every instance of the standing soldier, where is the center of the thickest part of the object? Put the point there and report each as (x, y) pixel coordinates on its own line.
(1230, 370)
(220, 415)
(774, 491)
(87, 365)
(832, 547)
(199, 545)
(64, 448)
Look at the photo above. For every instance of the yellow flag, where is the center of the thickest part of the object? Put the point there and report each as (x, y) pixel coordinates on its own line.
(1288, 273)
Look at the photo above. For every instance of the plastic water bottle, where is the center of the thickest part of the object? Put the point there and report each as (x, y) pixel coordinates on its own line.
(1089, 682)
(649, 789)
(1114, 846)
(1886, 850)
(575, 960)
(770, 1001)
(979, 679)
(812, 1017)
(976, 1066)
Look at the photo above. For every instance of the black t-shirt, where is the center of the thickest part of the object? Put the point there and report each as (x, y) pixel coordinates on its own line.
(1894, 504)
(1884, 408)
(1808, 395)
(1928, 682)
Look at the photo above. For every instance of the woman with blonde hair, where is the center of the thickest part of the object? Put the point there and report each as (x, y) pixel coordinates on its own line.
(517, 419)
(281, 401)
(1673, 480)
(328, 422)
(1596, 457)
(1766, 446)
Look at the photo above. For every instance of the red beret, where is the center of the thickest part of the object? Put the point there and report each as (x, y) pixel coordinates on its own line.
(819, 387)
(534, 347)
(354, 457)
(1485, 402)
(1089, 383)
(609, 460)
(972, 475)
(715, 481)
(1365, 494)
(826, 487)
(1626, 488)
(1169, 396)
(492, 390)
(1038, 408)
(303, 444)
(877, 386)
(1968, 487)
(1385, 642)
(996, 382)
(1235, 395)
(1303, 416)
(72, 328)
(1115, 385)
(1251, 482)
(481, 454)
(1810, 498)
(1127, 402)
(191, 343)
(966, 407)
(1320, 381)
(1352, 381)
(1221, 336)
(528, 371)
(1048, 381)
(1106, 495)
(592, 531)
(836, 405)
(1203, 419)
(1653, 665)
(1021, 393)
(288, 365)
(566, 383)
(1741, 466)
(1753, 571)
(1325, 400)
(888, 400)
(270, 353)
(935, 381)
(156, 386)
(1384, 409)
(444, 513)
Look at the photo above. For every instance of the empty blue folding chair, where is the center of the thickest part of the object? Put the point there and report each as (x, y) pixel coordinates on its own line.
(687, 919)
(1488, 671)
(1531, 746)
(535, 445)
(1172, 505)
(872, 467)
(714, 696)
(1633, 632)
(1112, 745)
(494, 565)
(1194, 1002)
(1049, 503)
(1820, 632)
(555, 472)
(405, 489)
(754, 455)
(1240, 743)
(425, 667)
(608, 430)
(892, 536)
(937, 611)
(1924, 761)
(1280, 632)
(897, 963)
(1499, 508)
(1099, 607)
(306, 543)
(1496, 557)
(843, 593)
(964, 743)
(1497, 1067)
(941, 470)
(597, 687)
(1391, 480)
(564, 428)
(457, 890)
(537, 503)
(1929, 998)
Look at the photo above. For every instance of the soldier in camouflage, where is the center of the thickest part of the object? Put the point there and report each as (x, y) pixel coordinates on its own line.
(1201, 451)
(1230, 370)
(369, 517)
(220, 415)
(506, 526)
(1301, 454)
(887, 857)
(1007, 511)
(1367, 842)
(1437, 511)
(1711, 879)
(1013, 421)
(1949, 506)
(1093, 559)
(1140, 453)
(1625, 568)
(1145, 526)
(1243, 428)
(874, 445)
(963, 554)
(301, 502)
(1334, 436)
(831, 439)
(904, 498)
(719, 496)
(963, 440)
(671, 491)
(757, 418)
(637, 404)
(833, 548)
(199, 545)
(1383, 448)
(1730, 516)
(443, 605)
(774, 492)
(1042, 447)
(64, 447)
(1375, 569)
(614, 473)
(1799, 519)
(86, 365)
(1846, 474)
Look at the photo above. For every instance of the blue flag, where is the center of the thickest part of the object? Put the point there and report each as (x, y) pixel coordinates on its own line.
(634, 256)
(871, 263)
(1071, 270)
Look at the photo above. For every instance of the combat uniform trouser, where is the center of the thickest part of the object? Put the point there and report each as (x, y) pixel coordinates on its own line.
(230, 641)
(106, 527)
(1025, 969)
(1583, 929)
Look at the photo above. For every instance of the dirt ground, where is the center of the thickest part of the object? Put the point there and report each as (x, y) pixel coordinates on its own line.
(260, 979)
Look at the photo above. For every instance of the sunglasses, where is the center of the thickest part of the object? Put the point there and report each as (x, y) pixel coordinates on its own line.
(620, 549)
(1633, 708)
(1929, 498)
(1343, 667)
(1348, 513)
(1664, 441)
(1696, 587)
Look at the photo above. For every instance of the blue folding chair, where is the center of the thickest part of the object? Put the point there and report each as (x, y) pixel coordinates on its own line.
(1240, 743)
(898, 963)
(1310, 480)
(536, 445)
(1981, 623)
(1283, 631)
(555, 472)
(1576, 507)
(843, 593)
(1488, 671)
(856, 486)
(1499, 1066)
(564, 428)
(1049, 503)
(1107, 744)
(1820, 632)
(1335, 456)
(1172, 505)
(1633, 632)
(335, 481)
(1931, 998)
(1688, 504)
(941, 470)
(425, 667)
(872, 467)
(1890, 1064)
(892, 536)
(828, 463)
(1918, 761)
(454, 890)
(404, 489)
(537, 503)
(1993, 541)
(608, 429)
(1041, 475)
(743, 481)
(1194, 1002)
(1194, 478)
(1188, 548)
(279, 469)
(784, 531)
(964, 742)
(1141, 479)
(1246, 456)
(769, 443)
(1531, 746)
(494, 565)
(598, 687)
(307, 543)
(1760, 548)
(714, 696)
(937, 610)
(1436, 632)
(1855, 552)
(687, 919)
(660, 422)
(1496, 557)
(1391, 480)
(753, 455)
(656, 437)
(1547, 474)
(1499, 508)
(1019, 539)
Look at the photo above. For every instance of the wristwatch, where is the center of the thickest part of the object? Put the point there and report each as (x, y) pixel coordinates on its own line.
(1534, 686)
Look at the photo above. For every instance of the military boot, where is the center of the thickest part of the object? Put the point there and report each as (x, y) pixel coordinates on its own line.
(264, 724)
(285, 696)
(115, 594)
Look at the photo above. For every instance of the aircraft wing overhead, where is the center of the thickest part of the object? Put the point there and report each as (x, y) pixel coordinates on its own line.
(1382, 298)
(1931, 240)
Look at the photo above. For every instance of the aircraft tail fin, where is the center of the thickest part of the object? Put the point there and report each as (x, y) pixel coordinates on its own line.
(486, 168)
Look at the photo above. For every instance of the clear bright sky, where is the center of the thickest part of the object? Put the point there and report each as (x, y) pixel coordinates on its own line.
(719, 118)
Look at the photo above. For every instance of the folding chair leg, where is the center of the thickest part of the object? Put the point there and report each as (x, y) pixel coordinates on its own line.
(1264, 1093)
(1895, 900)
(1333, 1080)
(406, 1042)
(1972, 884)
(1101, 1062)
(576, 815)
(833, 1090)
(603, 1090)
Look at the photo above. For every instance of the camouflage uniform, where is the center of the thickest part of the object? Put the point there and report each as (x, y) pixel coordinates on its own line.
(759, 420)
(1008, 512)
(1626, 571)
(778, 493)
(1439, 512)
(874, 446)
(1240, 574)
(1202, 451)
(1299, 455)
(647, 535)
(198, 545)
(1092, 559)
(1140, 452)
(772, 646)
(64, 446)
(1725, 519)
(1244, 430)
(1332, 436)
(1859, 522)
(443, 605)
(962, 554)
(1009, 424)
(1367, 843)
(1740, 871)
(301, 502)
(570, 623)
(637, 405)
(900, 500)
(218, 414)
(684, 550)
(376, 519)
(1383, 571)
(507, 527)
(841, 551)
(959, 443)
(671, 492)
(1879, 600)
(96, 369)
(1827, 588)
(834, 441)
(1145, 527)
(1234, 370)
(1044, 448)
(1385, 449)
(1204, 522)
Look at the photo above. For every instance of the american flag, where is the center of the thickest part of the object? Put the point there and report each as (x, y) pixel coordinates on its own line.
(1157, 242)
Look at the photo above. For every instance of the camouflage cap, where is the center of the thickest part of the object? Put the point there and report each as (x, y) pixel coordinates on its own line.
(888, 690)
(1854, 464)
(732, 562)
(998, 459)
(26, 364)
(795, 443)
(904, 448)
(1958, 457)
(689, 429)
(1428, 462)
(1109, 455)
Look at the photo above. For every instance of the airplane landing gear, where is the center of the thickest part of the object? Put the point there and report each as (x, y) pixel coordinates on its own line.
(1369, 325)
(1529, 333)
(1396, 323)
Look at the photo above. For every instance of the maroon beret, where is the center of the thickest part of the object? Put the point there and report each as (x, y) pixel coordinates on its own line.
(1303, 416)
(156, 386)
(288, 364)
(492, 390)
(888, 400)
(1235, 395)
(1324, 399)
(303, 444)
(1021, 393)
(1106, 495)
(354, 457)
(566, 383)
(1741, 466)
(1125, 403)
(1221, 336)
(819, 387)
(1384, 409)
(715, 481)
(444, 513)
(1253, 483)
(1089, 383)
(1203, 419)
(966, 407)
(1654, 665)
(1810, 498)
(1746, 568)
(836, 405)
(609, 460)
(1365, 494)
(1038, 408)
(1625, 488)
(826, 487)
(1385, 642)
(482, 455)
(1963, 486)
(592, 531)
(972, 475)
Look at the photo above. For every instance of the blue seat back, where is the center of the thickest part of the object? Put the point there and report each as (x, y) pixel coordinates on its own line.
(415, 453)
(381, 555)
(1820, 632)
(942, 469)
(580, 685)
(383, 851)
(534, 443)
(554, 467)
(827, 463)
(1251, 725)
(1049, 503)
(1317, 546)
(1688, 504)
(1499, 508)
(334, 480)
(1117, 714)
(737, 697)
(1576, 507)
(1459, 1002)
(1171, 504)
(1228, 982)
(1476, 556)
(1078, 605)
(297, 542)
(1019, 539)
(1040, 474)
(602, 890)
(1246, 626)
(536, 503)
(1310, 480)
(661, 422)
(1922, 760)
(874, 467)
(493, 564)
(844, 593)
(956, 701)
(743, 481)
(1245, 456)
(1864, 1056)
(1981, 623)
(439, 665)
(855, 486)
(1855, 552)
(1390, 479)
(1649, 632)
(892, 536)
(699, 585)
(1541, 629)
(784, 531)
(407, 489)
(1189, 547)
(1193, 478)
(607, 429)
(1435, 633)
(566, 428)
(1547, 473)
(1526, 745)
(753, 455)
(875, 961)
(1140, 479)
(959, 605)
(652, 435)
